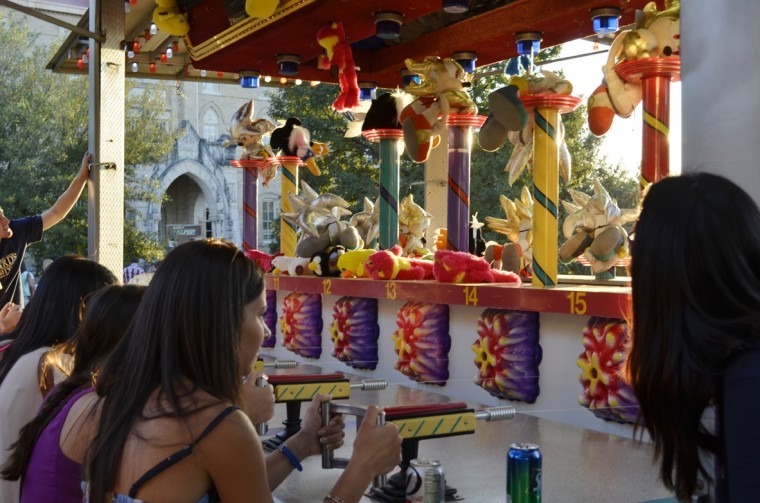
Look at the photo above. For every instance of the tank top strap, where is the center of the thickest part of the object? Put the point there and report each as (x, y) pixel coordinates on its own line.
(181, 454)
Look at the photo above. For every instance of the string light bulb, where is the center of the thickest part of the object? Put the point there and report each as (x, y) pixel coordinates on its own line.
(299, 82)
(283, 80)
(152, 68)
(164, 57)
(80, 63)
(175, 46)
(130, 54)
(134, 67)
(169, 52)
(267, 78)
(203, 73)
(220, 74)
(153, 28)
(314, 83)
(135, 46)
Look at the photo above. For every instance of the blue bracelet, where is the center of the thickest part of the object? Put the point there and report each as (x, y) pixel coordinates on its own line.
(291, 457)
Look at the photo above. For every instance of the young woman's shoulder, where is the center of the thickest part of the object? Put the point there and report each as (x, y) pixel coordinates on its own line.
(80, 426)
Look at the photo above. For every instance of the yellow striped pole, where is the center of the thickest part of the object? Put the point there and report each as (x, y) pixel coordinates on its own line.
(546, 115)
(545, 196)
(289, 185)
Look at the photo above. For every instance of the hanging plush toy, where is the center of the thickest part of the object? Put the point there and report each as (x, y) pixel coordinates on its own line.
(169, 19)
(338, 52)
(292, 139)
(516, 256)
(248, 131)
(442, 91)
(594, 228)
(261, 8)
(657, 34)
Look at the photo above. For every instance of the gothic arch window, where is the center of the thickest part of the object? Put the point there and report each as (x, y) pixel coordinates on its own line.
(210, 126)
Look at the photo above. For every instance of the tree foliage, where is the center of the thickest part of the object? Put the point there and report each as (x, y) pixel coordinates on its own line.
(43, 136)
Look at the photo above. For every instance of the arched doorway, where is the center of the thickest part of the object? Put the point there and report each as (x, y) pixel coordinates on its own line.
(185, 214)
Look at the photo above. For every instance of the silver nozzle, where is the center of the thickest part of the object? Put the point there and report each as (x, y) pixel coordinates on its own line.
(370, 384)
(496, 413)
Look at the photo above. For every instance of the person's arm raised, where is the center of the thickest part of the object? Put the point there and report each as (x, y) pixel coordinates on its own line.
(66, 201)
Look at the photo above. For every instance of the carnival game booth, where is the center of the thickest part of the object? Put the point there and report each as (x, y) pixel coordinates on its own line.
(364, 294)
(367, 294)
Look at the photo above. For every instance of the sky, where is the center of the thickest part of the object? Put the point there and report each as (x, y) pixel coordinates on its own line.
(623, 142)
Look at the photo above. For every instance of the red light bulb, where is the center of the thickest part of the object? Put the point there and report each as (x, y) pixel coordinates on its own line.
(152, 68)
(80, 63)
(163, 57)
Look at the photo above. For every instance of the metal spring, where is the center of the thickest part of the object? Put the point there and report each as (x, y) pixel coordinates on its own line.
(285, 364)
(497, 413)
(374, 384)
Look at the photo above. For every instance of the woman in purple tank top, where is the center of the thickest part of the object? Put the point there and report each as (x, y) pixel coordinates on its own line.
(47, 474)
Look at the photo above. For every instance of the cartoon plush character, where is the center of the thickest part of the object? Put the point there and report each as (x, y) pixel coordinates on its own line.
(389, 264)
(248, 131)
(318, 218)
(367, 221)
(263, 259)
(657, 34)
(509, 120)
(338, 52)
(292, 139)
(516, 256)
(594, 228)
(169, 19)
(413, 221)
(325, 262)
(442, 91)
(461, 267)
(351, 263)
(293, 266)
(261, 8)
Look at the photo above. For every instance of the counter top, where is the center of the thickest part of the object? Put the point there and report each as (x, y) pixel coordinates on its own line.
(579, 465)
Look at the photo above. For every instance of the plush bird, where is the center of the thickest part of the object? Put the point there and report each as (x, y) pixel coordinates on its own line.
(338, 52)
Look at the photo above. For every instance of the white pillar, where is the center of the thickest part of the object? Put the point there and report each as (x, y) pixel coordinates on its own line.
(721, 90)
(436, 187)
(105, 240)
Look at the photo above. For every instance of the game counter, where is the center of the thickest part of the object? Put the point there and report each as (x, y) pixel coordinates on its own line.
(579, 465)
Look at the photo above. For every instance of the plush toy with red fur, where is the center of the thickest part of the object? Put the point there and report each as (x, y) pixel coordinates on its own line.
(462, 267)
(263, 259)
(389, 264)
(338, 52)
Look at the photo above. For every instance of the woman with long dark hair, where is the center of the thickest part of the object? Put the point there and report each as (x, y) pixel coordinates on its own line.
(168, 425)
(26, 371)
(47, 473)
(695, 271)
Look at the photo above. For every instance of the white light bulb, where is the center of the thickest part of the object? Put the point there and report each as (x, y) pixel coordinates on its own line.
(298, 82)
(267, 79)
(130, 54)
(169, 52)
(203, 73)
(134, 67)
(153, 29)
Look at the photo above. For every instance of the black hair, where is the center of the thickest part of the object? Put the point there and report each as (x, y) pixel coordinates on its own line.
(695, 271)
(53, 313)
(186, 329)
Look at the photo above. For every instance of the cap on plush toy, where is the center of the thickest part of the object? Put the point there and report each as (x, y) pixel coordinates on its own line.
(507, 114)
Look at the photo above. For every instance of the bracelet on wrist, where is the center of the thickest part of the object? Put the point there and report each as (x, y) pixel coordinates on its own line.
(292, 458)
(334, 499)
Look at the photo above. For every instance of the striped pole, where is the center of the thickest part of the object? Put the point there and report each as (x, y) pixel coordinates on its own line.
(390, 161)
(655, 76)
(458, 207)
(289, 185)
(546, 115)
(250, 207)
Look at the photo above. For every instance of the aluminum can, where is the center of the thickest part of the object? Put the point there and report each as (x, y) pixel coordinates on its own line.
(523, 473)
(425, 482)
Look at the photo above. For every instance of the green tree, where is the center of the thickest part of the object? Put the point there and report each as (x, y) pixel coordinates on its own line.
(43, 135)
